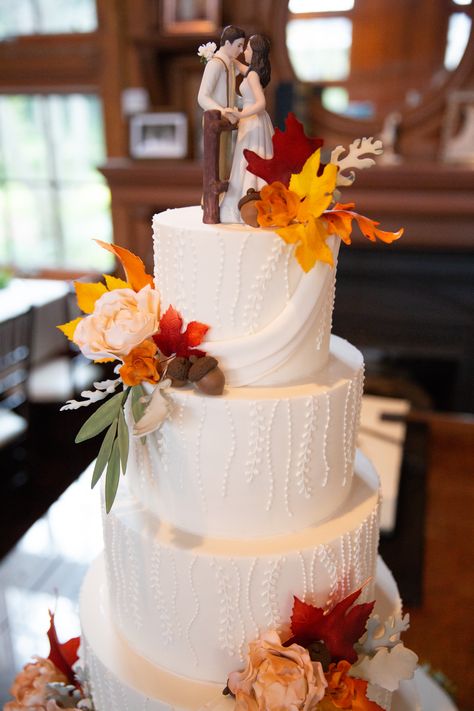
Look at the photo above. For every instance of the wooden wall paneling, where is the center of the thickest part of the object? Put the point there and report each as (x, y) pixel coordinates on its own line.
(50, 63)
(139, 16)
(112, 20)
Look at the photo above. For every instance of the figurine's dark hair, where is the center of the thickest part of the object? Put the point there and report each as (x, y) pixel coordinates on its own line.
(260, 61)
(231, 33)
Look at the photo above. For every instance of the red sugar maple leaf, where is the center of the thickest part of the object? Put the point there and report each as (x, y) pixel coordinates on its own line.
(339, 629)
(64, 655)
(171, 340)
(291, 149)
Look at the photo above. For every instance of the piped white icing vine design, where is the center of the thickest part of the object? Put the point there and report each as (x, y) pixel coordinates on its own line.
(245, 594)
(268, 456)
(195, 613)
(232, 449)
(255, 298)
(256, 441)
(273, 458)
(270, 593)
(162, 605)
(238, 276)
(286, 494)
(325, 438)
(219, 279)
(303, 485)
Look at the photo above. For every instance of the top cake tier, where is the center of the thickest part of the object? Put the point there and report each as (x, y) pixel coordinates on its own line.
(270, 322)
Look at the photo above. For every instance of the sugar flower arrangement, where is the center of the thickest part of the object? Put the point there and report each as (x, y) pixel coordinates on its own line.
(122, 322)
(53, 683)
(342, 658)
(297, 199)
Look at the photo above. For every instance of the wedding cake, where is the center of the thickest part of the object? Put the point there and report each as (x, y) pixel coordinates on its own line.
(242, 501)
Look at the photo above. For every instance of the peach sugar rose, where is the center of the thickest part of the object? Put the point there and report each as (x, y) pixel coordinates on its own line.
(29, 688)
(277, 678)
(121, 320)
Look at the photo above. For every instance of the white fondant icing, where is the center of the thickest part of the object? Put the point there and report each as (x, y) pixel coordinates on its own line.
(270, 322)
(212, 600)
(238, 502)
(254, 461)
(113, 667)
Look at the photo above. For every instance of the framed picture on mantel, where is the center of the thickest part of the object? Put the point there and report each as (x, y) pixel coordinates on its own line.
(159, 135)
(191, 17)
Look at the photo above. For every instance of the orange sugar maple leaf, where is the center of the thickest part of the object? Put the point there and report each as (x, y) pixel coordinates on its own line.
(339, 222)
(339, 629)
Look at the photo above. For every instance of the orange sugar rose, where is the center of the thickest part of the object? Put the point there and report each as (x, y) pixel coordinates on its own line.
(140, 365)
(277, 207)
(346, 692)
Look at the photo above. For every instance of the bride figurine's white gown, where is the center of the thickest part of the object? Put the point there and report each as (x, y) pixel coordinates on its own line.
(254, 132)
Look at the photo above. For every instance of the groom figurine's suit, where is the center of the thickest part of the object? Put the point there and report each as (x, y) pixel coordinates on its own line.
(217, 90)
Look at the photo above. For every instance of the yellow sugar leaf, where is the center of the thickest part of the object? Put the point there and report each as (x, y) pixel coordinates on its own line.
(114, 283)
(310, 240)
(87, 295)
(69, 328)
(292, 234)
(322, 189)
(301, 183)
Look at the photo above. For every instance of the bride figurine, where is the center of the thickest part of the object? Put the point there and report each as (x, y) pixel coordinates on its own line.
(255, 128)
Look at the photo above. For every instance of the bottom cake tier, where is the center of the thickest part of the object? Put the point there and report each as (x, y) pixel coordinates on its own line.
(122, 680)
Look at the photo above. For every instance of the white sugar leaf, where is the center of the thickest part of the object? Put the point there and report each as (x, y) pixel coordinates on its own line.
(358, 157)
(387, 667)
(102, 390)
(383, 634)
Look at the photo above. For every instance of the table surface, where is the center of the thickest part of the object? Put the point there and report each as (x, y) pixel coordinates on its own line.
(21, 294)
(45, 571)
(48, 297)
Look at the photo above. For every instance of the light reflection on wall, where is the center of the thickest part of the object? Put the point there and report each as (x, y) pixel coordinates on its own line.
(459, 29)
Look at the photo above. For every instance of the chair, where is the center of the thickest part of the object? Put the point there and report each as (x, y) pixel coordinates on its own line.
(64, 374)
(15, 352)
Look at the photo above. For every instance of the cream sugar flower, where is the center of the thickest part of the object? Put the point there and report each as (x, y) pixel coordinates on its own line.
(206, 51)
(121, 320)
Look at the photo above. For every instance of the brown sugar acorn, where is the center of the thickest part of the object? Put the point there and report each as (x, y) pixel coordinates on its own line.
(207, 376)
(178, 370)
(247, 208)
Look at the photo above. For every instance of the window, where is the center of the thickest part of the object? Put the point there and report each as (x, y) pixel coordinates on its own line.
(319, 41)
(53, 200)
(28, 17)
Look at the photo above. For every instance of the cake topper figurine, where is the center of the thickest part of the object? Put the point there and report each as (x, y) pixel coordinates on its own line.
(216, 94)
(225, 170)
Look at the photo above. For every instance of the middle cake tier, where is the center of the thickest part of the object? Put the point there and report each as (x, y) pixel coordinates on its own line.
(191, 604)
(254, 462)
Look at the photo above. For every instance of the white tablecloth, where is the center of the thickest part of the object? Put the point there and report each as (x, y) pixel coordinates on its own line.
(48, 297)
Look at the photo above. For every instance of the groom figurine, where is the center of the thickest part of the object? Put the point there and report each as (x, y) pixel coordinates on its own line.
(217, 90)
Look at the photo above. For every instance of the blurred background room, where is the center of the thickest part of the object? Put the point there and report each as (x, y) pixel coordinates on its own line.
(100, 129)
